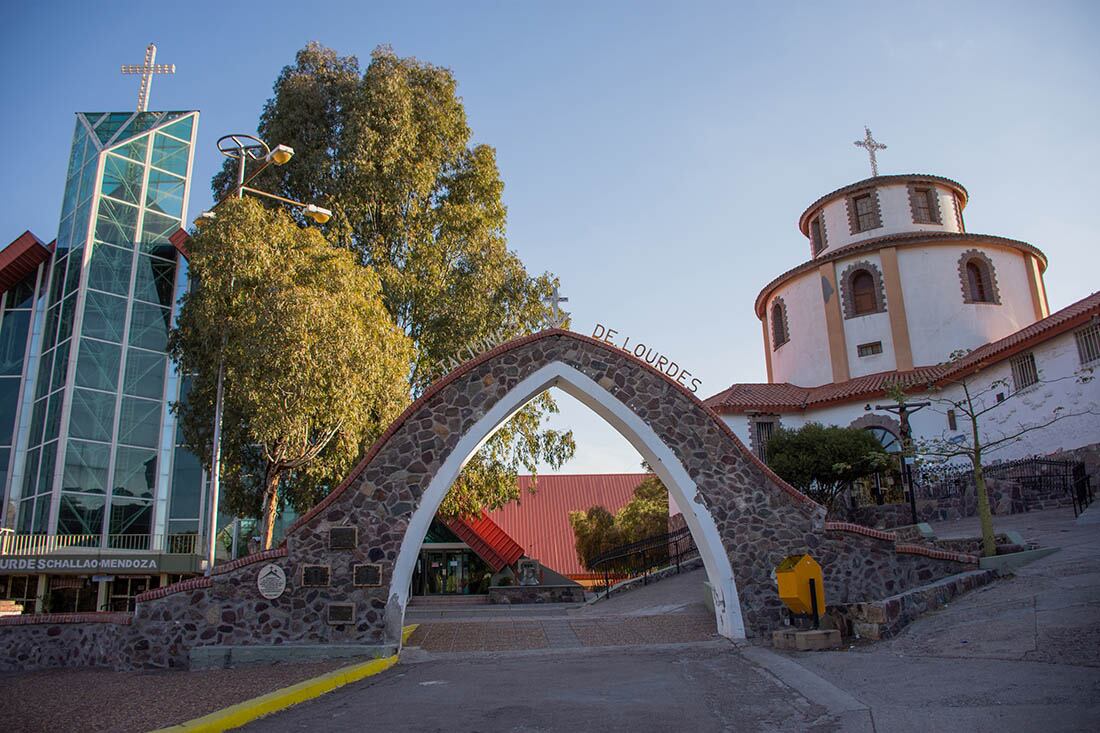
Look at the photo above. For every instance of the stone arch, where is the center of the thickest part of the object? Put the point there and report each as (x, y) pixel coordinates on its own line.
(743, 517)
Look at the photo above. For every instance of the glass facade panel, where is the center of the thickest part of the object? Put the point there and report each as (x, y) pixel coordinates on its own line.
(53, 416)
(149, 326)
(170, 154)
(135, 473)
(65, 319)
(41, 515)
(155, 232)
(30, 476)
(92, 415)
(139, 423)
(186, 485)
(130, 516)
(60, 364)
(80, 514)
(86, 467)
(134, 149)
(26, 517)
(38, 419)
(22, 295)
(122, 179)
(144, 374)
(117, 222)
(104, 316)
(98, 365)
(45, 470)
(155, 280)
(110, 269)
(111, 124)
(72, 275)
(181, 129)
(42, 384)
(9, 401)
(13, 342)
(165, 193)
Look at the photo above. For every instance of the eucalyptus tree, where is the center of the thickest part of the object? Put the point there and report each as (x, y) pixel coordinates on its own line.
(314, 365)
(388, 149)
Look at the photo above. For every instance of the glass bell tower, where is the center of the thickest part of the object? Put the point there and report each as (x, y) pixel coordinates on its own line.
(97, 457)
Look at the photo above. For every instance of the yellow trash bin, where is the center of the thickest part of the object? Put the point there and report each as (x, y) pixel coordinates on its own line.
(793, 576)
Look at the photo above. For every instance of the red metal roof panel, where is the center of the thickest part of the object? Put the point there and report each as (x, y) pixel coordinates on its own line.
(491, 543)
(21, 258)
(540, 521)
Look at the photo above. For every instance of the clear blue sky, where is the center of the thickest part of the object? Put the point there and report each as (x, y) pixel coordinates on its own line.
(656, 156)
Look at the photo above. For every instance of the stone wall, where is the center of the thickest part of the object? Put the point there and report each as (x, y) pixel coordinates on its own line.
(342, 588)
(62, 640)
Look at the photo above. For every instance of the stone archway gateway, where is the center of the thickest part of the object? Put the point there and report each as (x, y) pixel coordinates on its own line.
(348, 562)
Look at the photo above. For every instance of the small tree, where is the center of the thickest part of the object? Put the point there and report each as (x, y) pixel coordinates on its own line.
(313, 364)
(975, 404)
(646, 515)
(821, 461)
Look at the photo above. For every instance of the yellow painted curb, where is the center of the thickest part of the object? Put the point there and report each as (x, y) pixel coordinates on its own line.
(249, 710)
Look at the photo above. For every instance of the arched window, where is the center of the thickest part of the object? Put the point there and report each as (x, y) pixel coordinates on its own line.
(975, 279)
(863, 293)
(979, 282)
(780, 334)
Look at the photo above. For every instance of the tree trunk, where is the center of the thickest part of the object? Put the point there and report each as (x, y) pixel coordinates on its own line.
(989, 545)
(269, 508)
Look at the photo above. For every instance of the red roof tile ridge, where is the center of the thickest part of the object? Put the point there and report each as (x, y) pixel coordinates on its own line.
(275, 552)
(85, 617)
(179, 587)
(852, 528)
(913, 549)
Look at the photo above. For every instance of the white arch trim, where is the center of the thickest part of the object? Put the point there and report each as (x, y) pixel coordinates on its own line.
(727, 606)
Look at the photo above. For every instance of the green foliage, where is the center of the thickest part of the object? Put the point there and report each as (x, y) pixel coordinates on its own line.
(389, 151)
(598, 530)
(314, 366)
(821, 461)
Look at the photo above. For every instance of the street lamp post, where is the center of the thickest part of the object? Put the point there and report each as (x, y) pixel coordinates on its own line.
(903, 410)
(241, 148)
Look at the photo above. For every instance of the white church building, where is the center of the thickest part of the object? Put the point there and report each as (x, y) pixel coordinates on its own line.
(893, 286)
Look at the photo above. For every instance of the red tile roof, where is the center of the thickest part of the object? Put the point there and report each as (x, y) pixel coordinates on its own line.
(540, 521)
(785, 397)
(491, 543)
(20, 258)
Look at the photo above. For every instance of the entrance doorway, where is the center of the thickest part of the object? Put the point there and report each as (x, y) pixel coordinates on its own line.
(450, 572)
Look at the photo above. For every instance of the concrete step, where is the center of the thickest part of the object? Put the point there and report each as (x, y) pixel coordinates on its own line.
(448, 601)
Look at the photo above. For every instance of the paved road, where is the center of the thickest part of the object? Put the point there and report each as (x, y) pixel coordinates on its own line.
(1020, 655)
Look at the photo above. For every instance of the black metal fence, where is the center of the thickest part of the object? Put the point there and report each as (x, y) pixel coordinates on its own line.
(641, 558)
(1040, 478)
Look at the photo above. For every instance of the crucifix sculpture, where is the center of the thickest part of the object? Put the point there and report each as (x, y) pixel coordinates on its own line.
(557, 319)
(147, 70)
(870, 145)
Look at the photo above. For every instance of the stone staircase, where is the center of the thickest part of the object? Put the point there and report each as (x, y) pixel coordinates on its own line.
(444, 602)
(10, 608)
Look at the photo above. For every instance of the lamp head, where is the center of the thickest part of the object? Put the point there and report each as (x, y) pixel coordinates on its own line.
(319, 215)
(280, 154)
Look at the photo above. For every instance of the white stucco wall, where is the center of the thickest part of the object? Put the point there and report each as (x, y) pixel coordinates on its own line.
(1059, 368)
(939, 321)
(866, 329)
(804, 360)
(897, 217)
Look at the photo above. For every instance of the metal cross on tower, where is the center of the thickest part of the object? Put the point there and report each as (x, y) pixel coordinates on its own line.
(871, 145)
(554, 301)
(147, 70)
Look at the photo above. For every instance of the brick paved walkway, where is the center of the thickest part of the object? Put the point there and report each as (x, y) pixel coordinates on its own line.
(558, 633)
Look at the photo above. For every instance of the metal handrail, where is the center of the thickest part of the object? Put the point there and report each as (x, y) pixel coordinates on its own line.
(641, 557)
(45, 544)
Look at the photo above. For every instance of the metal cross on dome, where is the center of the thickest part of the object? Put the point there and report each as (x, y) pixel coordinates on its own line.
(558, 317)
(870, 145)
(147, 70)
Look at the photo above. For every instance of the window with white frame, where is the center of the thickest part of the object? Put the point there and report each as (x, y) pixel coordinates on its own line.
(1088, 343)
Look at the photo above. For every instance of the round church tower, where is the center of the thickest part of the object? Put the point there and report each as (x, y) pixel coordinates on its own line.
(894, 282)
